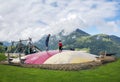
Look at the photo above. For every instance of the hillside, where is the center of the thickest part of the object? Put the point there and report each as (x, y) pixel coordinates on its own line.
(79, 39)
(99, 43)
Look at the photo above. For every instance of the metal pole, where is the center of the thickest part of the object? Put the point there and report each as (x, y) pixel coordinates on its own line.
(20, 57)
(8, 58)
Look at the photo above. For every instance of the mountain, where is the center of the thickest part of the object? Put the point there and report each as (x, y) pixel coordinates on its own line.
(79, 39)
(115, 39)
(99, 43)
(66, 39)
(5, 43)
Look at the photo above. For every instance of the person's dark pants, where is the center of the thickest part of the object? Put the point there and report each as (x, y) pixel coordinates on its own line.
(60, 48)
(46, 46)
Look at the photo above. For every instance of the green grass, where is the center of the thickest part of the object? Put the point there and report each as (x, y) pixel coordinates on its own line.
(106, 73)
(2, 56)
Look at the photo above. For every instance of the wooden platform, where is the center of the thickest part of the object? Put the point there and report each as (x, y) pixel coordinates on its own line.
(106, 59)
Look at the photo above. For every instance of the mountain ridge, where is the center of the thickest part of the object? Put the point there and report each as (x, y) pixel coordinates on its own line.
(79, 39)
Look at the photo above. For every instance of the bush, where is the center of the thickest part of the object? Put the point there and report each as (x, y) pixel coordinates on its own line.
(2, 56)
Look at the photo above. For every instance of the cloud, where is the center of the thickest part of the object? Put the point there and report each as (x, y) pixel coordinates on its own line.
(68, 24)
(35, 18)
(110, 28)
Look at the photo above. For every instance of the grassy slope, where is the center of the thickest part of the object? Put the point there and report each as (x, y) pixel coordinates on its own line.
(106, 73)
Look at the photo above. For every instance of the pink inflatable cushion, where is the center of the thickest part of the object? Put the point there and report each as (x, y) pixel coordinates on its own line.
(40, 57)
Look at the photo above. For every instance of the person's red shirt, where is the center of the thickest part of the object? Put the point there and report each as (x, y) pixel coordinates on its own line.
(60, 44)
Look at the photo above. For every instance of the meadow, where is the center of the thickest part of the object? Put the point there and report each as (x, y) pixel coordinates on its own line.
(105, 73)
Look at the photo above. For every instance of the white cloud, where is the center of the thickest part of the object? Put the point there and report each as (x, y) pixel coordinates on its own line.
(110, 28)
(35, 18)
(68, 24)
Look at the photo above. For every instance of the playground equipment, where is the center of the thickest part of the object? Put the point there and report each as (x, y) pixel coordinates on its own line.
(21, 48)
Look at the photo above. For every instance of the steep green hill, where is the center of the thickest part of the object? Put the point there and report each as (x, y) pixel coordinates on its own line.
(98, 43)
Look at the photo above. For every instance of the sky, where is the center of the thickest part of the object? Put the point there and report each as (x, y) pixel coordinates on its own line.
(20, 19)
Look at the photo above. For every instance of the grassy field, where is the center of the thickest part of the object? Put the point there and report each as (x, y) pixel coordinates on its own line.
(106, 73)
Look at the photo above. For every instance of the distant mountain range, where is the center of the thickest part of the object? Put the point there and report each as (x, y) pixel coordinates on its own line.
(5, 43)
(79, 39)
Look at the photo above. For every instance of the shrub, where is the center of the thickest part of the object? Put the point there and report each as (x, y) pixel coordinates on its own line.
(2, 56)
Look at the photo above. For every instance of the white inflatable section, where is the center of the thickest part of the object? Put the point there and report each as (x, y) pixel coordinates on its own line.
(70, 57)
(17, 60)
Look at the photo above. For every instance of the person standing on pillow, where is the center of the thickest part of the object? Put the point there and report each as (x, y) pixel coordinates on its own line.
(60, 46)
(47, 42)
